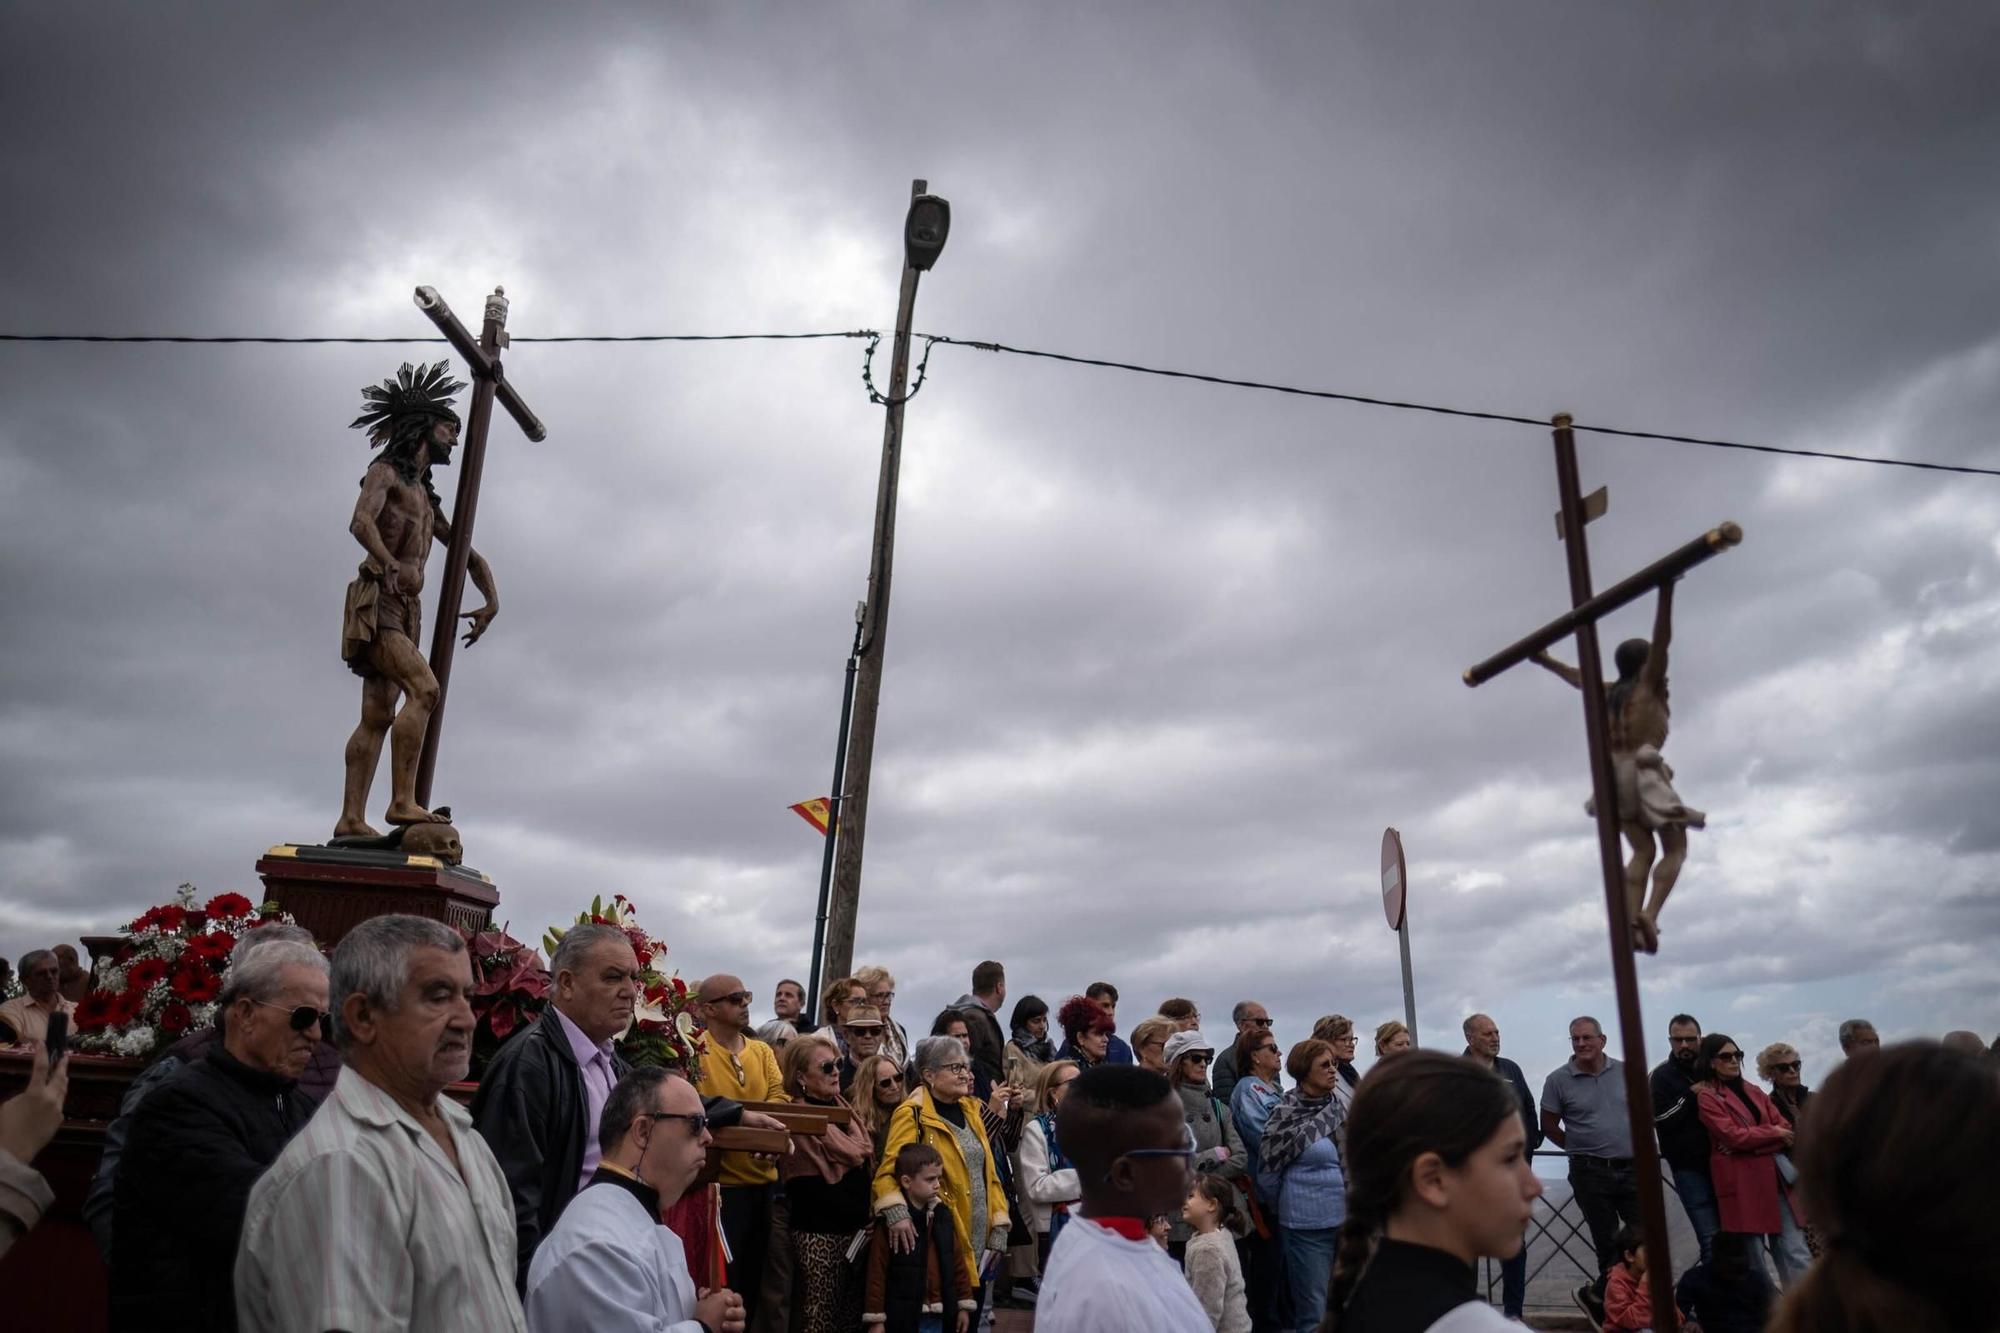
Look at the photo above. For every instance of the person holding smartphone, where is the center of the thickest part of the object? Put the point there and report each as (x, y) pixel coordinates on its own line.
(28, 1120)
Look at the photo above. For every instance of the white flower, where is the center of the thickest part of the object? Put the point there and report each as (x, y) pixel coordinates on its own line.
(134, 1042)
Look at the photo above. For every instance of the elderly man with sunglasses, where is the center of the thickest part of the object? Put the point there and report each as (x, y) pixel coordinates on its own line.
(1248, 1016)
(610, 1266)
(202, 1139)
(316, 1083)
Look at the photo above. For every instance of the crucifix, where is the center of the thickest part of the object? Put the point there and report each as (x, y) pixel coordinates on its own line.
(395, 521)
(1620, 739)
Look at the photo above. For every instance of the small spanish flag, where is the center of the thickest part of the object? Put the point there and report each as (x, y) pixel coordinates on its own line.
(818, 812)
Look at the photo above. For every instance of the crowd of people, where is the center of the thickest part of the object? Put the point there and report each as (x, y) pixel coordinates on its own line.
(1017, 1155)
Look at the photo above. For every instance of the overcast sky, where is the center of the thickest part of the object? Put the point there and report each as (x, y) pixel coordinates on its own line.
(1164, 658)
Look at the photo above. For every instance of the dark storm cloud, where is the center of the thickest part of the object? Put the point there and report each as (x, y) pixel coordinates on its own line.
(1163, 658)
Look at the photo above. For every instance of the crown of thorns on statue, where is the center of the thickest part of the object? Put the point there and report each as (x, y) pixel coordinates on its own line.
(422, 392)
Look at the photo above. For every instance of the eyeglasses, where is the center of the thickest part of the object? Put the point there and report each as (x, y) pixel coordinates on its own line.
(304, 1016)
(956, 1067)
(1185, 1152)
(1789, 1067)
(1199, 1057)
(1261, 1022)
(828, 1066)
(883, 996)
(890, 1081)
(741, 997)
(1272, 1048)
(1734, 1057)
(697, 1123)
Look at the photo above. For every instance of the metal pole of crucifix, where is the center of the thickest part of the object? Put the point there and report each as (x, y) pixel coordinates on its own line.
(1581, 621)
(482, 358)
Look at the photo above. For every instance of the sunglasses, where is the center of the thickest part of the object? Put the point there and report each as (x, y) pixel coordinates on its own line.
(1261, 1022)
(1734, 1057)
(1199, 1057)
(1185, 1152)
(1273, 1049)
(304, 1016)
(890, 1081)
(1789, 1067)
(741, 997)
(697, 1124)
(828, 1066)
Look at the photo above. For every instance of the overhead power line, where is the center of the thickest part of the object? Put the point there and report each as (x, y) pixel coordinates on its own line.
(564, 338)
(931, 340)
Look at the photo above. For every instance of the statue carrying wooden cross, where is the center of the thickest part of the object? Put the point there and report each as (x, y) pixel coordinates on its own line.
(398, 515)
(1632, 792)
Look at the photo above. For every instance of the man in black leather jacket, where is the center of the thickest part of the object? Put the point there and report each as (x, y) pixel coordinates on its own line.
(538, 1103)
(203, 1138)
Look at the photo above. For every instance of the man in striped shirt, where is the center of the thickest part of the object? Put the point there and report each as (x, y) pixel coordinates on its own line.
(387, 1211)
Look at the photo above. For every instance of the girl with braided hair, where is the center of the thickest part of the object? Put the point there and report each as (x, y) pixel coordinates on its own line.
(1438, 1176)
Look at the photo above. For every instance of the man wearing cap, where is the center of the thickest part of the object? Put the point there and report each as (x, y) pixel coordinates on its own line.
(1218, 1148)
(863, 1030)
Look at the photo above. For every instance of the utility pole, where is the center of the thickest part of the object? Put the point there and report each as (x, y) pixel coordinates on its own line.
(924, 230)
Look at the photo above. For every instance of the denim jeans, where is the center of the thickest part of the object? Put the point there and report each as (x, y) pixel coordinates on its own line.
(1607, 1193)
(1308, 1272)
(1697, 1194)
(930, 1323)
(1788, 1247)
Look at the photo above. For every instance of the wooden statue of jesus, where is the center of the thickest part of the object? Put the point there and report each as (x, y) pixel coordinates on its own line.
(396, 519)
(1636, 705)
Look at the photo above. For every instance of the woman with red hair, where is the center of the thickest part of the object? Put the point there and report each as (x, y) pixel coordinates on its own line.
(1086, 1031)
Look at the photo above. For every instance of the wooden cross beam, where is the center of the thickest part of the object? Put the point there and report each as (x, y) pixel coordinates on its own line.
(482, 358)
(1581, 620)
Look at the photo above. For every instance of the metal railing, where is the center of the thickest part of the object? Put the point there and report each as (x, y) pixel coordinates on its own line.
(1555, 1231)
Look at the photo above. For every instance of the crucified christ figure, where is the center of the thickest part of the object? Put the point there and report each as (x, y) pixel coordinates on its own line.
(1647, 804)
(396, 519)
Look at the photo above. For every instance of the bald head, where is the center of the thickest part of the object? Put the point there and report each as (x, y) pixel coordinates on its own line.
(1482, 1037)
(725, 1004)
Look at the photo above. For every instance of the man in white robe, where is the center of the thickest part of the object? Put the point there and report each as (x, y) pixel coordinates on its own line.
(610, 1265)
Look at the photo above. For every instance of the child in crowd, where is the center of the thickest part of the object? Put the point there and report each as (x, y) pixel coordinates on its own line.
(1627, 1306)
(1729, 1293)
(1212, 1267)
(917, 1292)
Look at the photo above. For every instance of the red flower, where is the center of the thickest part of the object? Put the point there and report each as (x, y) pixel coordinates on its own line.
(213, 947)
(124, 955)
(125, 1007)
(174, 1018)
(95, 1011)
(167, 918)
(196, 984)
(230, 905)
(503, 1018)
(143, 975)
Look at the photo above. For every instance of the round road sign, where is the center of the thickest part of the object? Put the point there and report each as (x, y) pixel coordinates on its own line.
(1395, 882)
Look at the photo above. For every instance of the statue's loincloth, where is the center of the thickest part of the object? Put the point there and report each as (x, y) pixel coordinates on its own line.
(1646, 794)
(372, 611)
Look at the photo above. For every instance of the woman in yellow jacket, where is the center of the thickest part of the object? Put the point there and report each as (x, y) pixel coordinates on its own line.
(943, 1114)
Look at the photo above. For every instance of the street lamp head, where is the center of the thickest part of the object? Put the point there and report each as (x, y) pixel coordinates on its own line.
(924, 231)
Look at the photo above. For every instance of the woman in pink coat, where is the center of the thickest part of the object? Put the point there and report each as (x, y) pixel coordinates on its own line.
(1748, 1135)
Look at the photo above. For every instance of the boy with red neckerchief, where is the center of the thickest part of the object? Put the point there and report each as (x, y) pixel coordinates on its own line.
(1125, 1129)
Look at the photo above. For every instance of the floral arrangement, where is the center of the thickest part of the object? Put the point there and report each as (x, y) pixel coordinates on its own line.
(664, 1030)
(163, 981)
(511, 988)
